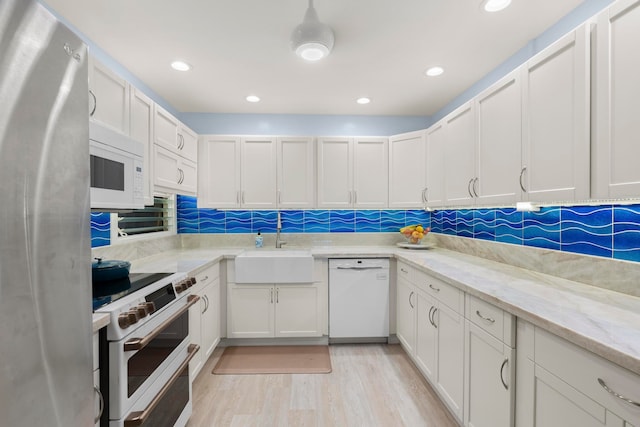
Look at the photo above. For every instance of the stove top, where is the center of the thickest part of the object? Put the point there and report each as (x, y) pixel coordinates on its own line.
(107, 292)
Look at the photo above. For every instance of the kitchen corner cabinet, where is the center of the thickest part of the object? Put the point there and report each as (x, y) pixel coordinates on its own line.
(556, 121)
(174, 136)
(108, 97)
(499, 145)
(460, 156)
(407, 170)
(435, 146)
(296, 172)
(616, 147)
(273, 310)
(489, 365)
(174, 173)
(561, 384)
(141, 129)
(352, 173)
(204, 318)
(237, 172)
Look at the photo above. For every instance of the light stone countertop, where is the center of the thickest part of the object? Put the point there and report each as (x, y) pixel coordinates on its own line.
(100, 320)
(602, 321)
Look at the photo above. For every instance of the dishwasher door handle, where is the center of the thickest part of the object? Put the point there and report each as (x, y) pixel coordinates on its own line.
(373, 267)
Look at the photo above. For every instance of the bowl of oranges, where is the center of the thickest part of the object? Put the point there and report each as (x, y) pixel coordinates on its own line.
(414, 233)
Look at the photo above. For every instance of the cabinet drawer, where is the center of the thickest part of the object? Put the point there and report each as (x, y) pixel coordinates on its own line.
(492, 319)
(406, 272)
(582, 369)
(207, 276)
(450, 295)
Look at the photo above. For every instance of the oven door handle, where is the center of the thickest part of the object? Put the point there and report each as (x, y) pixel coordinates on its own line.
(138, 418)
(140, 343)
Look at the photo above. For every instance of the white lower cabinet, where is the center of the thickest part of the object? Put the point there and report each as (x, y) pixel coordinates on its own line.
(99, 403)
(267, 311)
(406, 314)
(560, 384)
(204, 318)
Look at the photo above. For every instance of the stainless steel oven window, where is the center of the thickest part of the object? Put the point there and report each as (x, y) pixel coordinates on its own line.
(145, 362)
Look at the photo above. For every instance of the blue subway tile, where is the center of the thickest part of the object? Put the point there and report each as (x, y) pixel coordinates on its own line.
(509, 226)
(264, 221)
(292, 221)
(316, 221)
(418, 216)
(542, 229)
(368, 221)
(484, 224)
(587, 230)
(626, 233)
(100, 229)
(449, 220)
(437, 219)
(212, 221)
(238, 222)
(342, 221)
(183, 202)
(392, 220)
(464, 223)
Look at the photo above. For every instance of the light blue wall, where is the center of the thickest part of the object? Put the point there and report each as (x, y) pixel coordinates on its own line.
(302, 124)
(586, 10)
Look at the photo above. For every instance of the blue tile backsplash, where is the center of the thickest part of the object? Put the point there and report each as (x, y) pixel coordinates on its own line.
(605, 230)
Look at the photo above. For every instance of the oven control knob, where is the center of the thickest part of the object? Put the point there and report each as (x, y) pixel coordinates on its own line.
(192, 281)
(133, 316)
(141, 309)
(182, 286)
(127, 319)
(150, 307)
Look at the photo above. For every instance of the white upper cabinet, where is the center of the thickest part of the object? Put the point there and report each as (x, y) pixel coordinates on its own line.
(370, 173)
(460, 154)
(499, 130)
(435, 145)
(219, 172)
(174, 174)
(258, 173)
(141, 129)
(171, 134)
(352, 172)
(335, 172)
(556, 121)
(296, 172)
(237, 172)
(616, 146)
(407, 170)
(108, 97)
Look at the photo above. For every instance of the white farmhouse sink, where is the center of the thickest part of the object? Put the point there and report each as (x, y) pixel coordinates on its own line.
(274, 266)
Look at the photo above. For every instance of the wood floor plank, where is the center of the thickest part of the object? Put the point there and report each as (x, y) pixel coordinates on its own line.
(371, 385)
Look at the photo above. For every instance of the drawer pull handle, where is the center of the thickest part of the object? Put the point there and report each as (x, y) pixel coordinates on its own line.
(434, 288)
(410, 295)
(403, 270)
(430, 319)
(488, 319)
(619, 396)
(506, 387)
(433, 318)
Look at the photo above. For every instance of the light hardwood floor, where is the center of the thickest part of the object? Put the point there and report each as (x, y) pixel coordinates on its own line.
(371, 385)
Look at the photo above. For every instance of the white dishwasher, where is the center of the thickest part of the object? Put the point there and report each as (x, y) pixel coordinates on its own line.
(359, 299)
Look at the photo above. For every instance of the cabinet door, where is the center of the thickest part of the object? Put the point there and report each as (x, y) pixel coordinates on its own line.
(406, 315)
(140, 129)
(371, 173)
(195, 332)
(556, 113)
(426, 337)
(110, 94)
(616, 147)
(258, 171)
(165, 129)
(219, 172)
(335, 173)
(297, 311)
(489, 382)
(165, 169)
(407, 170)
(499, 130)
(435, 145)
(296, 172)
(210, 318)
(460, 156)
(188, 172)
(250, 311)
(450, 357)
(187, 143)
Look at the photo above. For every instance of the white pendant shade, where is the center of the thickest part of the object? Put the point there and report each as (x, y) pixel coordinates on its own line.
(312, 40)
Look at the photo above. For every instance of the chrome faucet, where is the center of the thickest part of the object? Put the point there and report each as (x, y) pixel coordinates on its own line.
(279, 243)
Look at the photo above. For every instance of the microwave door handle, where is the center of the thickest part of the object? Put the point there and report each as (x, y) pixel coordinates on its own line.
(140, 417)
(140, 343)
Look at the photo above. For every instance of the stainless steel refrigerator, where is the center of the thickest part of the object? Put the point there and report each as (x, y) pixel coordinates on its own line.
(45, 282)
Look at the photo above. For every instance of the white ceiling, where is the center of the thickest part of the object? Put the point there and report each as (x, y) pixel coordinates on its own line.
(241, 47)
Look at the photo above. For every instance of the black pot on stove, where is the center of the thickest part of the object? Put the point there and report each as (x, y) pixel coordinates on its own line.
(109, 270)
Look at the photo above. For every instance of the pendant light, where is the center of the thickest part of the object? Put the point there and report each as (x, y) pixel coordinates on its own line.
(312, 40)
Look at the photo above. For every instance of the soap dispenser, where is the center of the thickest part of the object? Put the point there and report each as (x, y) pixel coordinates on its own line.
(259, 240)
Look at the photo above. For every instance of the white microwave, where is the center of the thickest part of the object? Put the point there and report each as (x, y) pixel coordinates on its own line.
(116, 170)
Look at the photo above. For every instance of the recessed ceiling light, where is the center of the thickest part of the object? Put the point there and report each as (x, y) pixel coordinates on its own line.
(363, 100)
(253, 98)
(434, 71)
(495, 5)
(180, 66)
